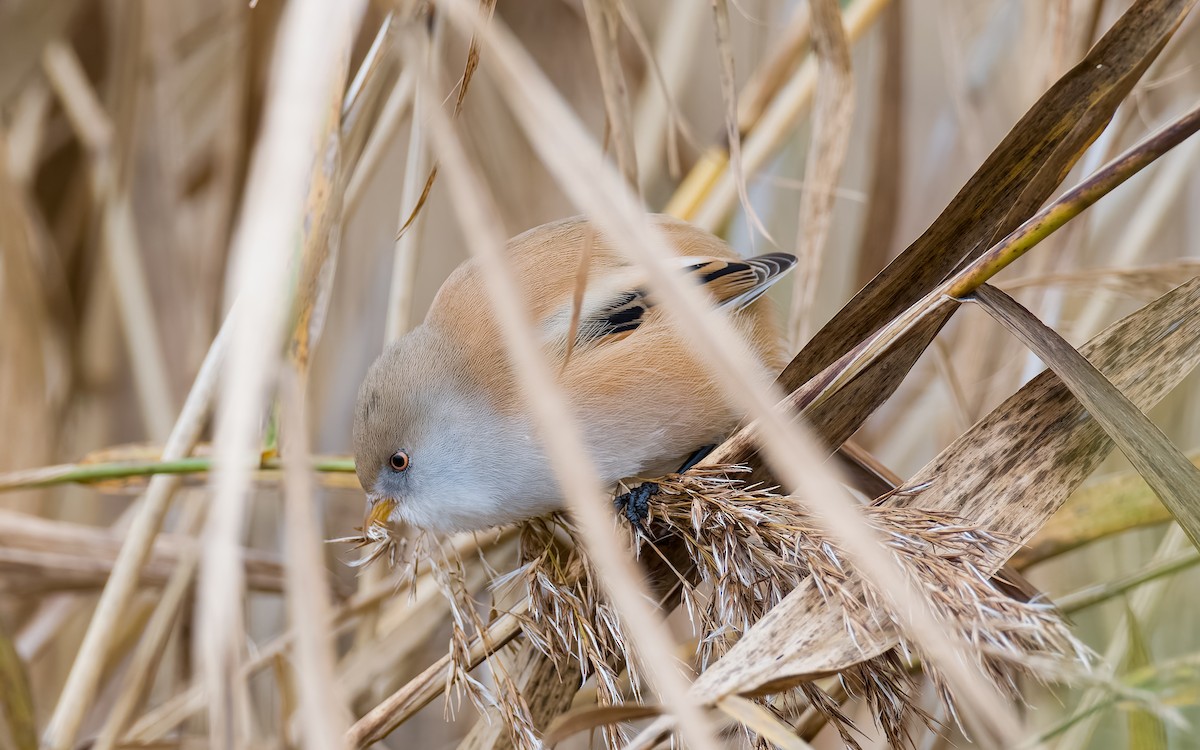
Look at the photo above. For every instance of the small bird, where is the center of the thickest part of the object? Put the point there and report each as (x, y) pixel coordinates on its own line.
(442, 438)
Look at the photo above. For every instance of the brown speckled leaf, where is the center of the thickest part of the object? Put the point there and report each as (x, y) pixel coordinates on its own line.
(1008, 474)
(1172, 476)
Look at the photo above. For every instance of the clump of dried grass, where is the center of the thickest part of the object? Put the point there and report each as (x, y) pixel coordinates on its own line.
(747, 547)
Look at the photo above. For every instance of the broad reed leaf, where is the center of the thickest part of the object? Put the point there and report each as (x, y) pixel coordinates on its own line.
(1007, 474)
(1119, 503)
(1169, 473)
(1016, 178)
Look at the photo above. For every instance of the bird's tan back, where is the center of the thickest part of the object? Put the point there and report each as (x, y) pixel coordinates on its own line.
(651, 366)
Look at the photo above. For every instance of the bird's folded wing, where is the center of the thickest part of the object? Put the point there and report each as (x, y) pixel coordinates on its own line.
(613, 308)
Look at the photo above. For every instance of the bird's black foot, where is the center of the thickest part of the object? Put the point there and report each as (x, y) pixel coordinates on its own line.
(635, 504)
(695, 458)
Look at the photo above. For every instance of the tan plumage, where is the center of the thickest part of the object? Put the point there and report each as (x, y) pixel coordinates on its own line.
(644, 399)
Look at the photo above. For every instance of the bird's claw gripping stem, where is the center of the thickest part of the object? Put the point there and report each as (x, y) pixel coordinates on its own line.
(635, 504)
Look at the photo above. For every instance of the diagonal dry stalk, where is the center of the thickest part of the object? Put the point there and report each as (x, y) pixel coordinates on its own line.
(833, 111)
(313, 48)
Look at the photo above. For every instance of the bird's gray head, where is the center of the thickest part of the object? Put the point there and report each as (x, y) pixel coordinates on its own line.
(427, 434)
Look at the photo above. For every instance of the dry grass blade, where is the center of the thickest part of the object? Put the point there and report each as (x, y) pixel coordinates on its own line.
(324, 714)
(311, 50)
(833, 112)
(562, 438)
(603, 25)
(1169, 473)
(36, 552)
(593, 717)
(404, 258)
(733, 134)
(391, 117)
(149, 650)
(427, 686)
(766, 724)
(708, 195)
(486, 9)
(887, 157)
(772, 74)
(1014, 180)
(976, 478)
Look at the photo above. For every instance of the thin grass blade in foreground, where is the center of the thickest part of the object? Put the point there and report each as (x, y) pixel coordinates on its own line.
(1173, 477)
(1007, 475)
(833, 113)
(312, 43)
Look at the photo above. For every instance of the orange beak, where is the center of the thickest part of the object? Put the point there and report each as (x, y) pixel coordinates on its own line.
(379, 514)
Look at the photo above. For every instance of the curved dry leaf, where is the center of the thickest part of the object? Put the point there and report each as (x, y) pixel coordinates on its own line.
(1007, 474)
(764, 723)
(1172, 476)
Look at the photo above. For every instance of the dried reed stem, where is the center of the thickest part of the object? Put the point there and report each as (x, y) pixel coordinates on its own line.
(313, 40)
(708, 206)
(832, 118)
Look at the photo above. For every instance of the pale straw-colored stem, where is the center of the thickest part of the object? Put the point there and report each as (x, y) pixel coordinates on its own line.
(832, 119)
(313, 37)
(383, 134)
(324, 714)
(653, 119)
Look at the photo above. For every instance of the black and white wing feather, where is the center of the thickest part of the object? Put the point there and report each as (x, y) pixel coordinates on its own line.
(609, 313)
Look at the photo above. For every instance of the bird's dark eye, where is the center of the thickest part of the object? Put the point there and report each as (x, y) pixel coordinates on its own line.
(398, 461)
